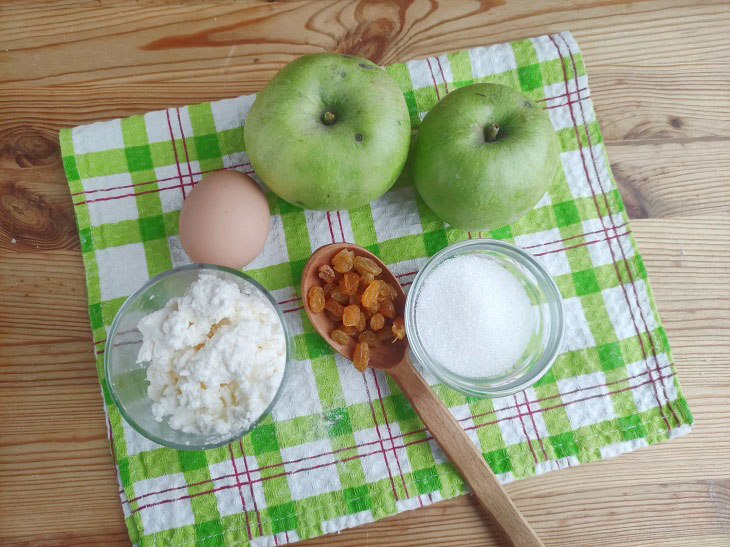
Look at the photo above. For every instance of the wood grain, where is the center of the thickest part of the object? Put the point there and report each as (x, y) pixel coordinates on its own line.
(659, 76)
(486, 489)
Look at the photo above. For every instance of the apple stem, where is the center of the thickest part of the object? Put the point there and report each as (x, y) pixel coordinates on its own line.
(328, 118)
(490, 132)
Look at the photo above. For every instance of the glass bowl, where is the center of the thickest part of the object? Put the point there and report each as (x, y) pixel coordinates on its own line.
(127, 380)
(547, 305)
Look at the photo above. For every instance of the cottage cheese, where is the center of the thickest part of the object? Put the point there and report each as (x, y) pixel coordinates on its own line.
(216, 355)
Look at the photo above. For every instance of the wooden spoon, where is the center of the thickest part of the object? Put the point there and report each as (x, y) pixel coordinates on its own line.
(448, 433)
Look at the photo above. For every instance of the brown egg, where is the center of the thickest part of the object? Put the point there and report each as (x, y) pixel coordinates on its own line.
(224, 220)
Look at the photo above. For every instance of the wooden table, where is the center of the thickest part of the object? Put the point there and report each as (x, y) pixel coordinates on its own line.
(660, 82)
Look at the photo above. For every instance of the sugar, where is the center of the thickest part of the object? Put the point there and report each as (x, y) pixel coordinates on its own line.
(473, 316)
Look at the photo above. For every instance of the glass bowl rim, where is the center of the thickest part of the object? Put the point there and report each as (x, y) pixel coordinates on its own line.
(134, 296)
(470, 385)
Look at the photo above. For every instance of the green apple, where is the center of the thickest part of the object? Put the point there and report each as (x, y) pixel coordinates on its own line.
(484, 156)
(329, 131)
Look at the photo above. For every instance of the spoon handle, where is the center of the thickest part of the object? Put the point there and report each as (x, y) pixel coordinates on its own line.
(462, 452)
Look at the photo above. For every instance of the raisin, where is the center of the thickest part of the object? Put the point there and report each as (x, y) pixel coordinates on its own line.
(367, 313)
(338, 296)
(340, 337)
(361, 356)
(328, 288)
(365, 279)
(369, 337)
(385, 290)
(351, 315)
(387, 308)
(334, 307)
(362, 323)
(377, 321)
(364, 264)
(316, 299)
(398, 328)
(342, 261)
(393, 292)
(349, 331)
(349, 283)
(353, 299)
(370, 296)
(326, 273)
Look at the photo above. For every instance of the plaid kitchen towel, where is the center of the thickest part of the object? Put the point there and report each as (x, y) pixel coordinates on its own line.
(344, 448)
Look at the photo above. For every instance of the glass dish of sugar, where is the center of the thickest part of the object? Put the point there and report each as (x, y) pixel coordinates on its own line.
(485, 318)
